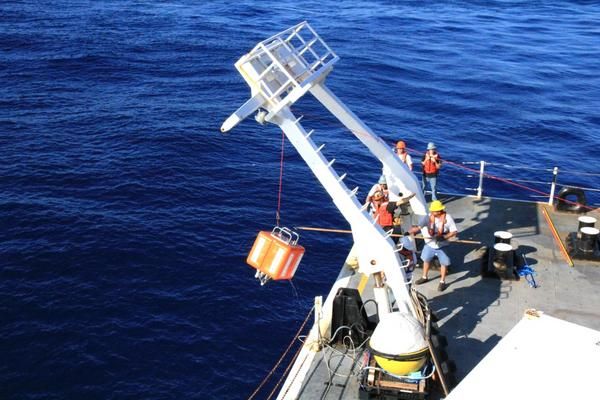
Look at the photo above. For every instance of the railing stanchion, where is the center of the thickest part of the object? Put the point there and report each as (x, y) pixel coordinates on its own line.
(480, 187)
(553, 187)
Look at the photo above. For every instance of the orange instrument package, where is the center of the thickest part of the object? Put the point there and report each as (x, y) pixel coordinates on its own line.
(276, 255)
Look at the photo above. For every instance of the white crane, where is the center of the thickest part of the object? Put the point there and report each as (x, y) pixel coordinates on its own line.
(280, 70)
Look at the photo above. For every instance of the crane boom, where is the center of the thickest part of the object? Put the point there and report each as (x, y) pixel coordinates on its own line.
(279, 71)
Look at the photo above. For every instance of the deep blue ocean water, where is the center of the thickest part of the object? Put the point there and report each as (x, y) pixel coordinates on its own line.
(125, 216)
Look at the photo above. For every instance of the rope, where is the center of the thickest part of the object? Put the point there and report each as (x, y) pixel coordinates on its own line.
(526, 181)
(282, 357)
(330, 230)
(543, 194)
(527, 272)
(297, 371)
(493, 164)
(510, 182)
(561, 246)
(517, 167)
(540, 169)
(584, 188)
(287, 370)
(336, 124)
(277, 214)
(578, 173)
(415, 152)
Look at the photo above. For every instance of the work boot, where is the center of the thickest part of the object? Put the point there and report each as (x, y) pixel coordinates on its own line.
(421, 281)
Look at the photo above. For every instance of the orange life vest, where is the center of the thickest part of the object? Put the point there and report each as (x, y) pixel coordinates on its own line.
(430, 167)
(431, 226)
(383, 216)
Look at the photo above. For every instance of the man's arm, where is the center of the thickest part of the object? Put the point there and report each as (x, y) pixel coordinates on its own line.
(421, 223)
(449, 235)
(452, 229)
(404, 200)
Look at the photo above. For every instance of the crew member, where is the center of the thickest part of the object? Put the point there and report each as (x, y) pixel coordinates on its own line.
(380, 186)
(383, 210)
(431, 163)
(403, 154)
(437, 228)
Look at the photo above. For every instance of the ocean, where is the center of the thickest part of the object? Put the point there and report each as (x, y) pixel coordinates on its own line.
(126, 216)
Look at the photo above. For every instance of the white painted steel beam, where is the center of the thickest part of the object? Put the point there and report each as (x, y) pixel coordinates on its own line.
(399, 177)
(375, 251)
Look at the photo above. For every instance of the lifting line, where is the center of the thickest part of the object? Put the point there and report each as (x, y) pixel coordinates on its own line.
(277, 214)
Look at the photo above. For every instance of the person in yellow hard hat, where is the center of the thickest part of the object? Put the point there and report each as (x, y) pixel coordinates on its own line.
(403, 154)
(436, 228)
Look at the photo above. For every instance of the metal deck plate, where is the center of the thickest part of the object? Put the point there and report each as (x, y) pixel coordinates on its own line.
(474, 312)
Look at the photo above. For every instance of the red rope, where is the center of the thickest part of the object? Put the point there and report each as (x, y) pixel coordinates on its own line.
(287, 370)
(277, 214)
(417, 152)
(282, 356)
(508, 181)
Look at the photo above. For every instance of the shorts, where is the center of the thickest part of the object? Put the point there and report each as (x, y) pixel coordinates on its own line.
(428, 253)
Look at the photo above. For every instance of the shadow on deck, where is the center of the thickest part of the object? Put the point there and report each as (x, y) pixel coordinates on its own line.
(475, 312)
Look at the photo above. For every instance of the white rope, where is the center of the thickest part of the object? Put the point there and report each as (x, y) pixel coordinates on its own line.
(584, 188)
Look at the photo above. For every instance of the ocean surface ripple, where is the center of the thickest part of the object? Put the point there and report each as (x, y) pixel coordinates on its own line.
(126, 216)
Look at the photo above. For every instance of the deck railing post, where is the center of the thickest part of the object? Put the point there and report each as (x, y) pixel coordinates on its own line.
(553, 187)
(316, 346)
(480, 187)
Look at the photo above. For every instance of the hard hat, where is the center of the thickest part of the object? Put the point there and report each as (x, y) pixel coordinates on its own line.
(431, 146)
(382, 180)
(400, 144)
(378, 195)
(436, 205)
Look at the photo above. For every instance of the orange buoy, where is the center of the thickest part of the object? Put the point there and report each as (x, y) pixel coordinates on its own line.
(275, 254)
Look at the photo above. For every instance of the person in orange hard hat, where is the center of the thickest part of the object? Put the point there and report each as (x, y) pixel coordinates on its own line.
(437, 228)
(403, 154)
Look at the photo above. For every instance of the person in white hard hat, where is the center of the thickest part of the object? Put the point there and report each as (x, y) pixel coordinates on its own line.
(380, 186)
(431, 163)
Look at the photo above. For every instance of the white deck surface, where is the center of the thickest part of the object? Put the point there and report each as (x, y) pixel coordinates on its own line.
(540, 358)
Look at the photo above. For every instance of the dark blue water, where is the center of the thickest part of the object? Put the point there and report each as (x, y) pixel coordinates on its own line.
(125, 217)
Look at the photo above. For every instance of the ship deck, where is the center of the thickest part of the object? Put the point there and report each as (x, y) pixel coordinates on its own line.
(475, 312)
